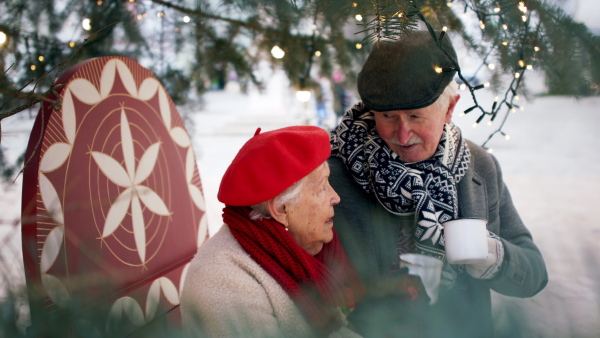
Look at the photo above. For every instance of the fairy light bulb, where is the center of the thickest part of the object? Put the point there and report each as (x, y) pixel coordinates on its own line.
(86, 24)
(318, 53)
(524, 18)
(358, 17)
(505, 43)
(504, 26)
(303, 95)
(522, 7)
(139, 17)
(521, 63)
(160, 14)
(536, 48)
(33, 67)
(490, 150)
(481, 24)
(438, 69)
(487, 84)
(517, 75)
(277, 52)
(3, 38)
(71, 44)
(354, 4)
(449, 3)
(497, 9)
(529, 67)
(507, 137)
(186, 19)
(462, 86)
(358, 46)
(445, 29)
(41, 58)
(516, 97)
(491, 66)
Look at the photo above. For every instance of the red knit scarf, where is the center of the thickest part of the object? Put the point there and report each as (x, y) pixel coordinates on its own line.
(317, 284)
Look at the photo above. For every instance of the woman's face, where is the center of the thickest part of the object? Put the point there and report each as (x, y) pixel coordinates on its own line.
(309, 219)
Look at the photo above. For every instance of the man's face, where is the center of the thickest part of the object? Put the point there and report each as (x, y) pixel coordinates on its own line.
(414, 134)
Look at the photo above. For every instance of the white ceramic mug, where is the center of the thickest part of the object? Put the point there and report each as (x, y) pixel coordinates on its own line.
(428, 268)
(465, 240)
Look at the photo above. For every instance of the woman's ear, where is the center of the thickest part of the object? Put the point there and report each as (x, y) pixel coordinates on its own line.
(277, 213)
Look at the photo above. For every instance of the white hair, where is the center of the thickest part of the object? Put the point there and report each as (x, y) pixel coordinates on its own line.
(444, 99)
(288, 196)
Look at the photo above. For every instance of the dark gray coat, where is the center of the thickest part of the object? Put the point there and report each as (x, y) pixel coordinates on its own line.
(369, 234)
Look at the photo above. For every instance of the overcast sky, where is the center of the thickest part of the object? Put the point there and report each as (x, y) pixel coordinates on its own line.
(586, 11)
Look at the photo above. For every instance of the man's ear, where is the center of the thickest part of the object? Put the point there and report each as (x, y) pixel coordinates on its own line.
(451, 104)
(277, 213)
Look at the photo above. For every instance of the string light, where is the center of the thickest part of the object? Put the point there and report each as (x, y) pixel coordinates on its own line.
(522, 7)
(86, 24)
(505, 43)
(186, 19)
(314, 27)
(497, 9)
(277, 52)
(438, 69)
(358, 46)
(160, 14)
(491, 66)
(469, 110)
(490, 150)
(99, 2)
(449, 3)
(358, 17)
(3, 38)
(536, 48)
(32, 67)
(478, 120)
(41, 58)
(504, 26)
(481, 24)
(139, 17)
(506, 136)
(516, 97)
(354, 4)
(318, 53)
(444, 29)
(462, 86)
(524, 18)
(517, 75)
(529, 67)
(71, 44)
(303, 95)
(521, 63)
(494, 105)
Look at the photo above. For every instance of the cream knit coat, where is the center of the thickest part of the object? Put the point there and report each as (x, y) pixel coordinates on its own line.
(227, 294)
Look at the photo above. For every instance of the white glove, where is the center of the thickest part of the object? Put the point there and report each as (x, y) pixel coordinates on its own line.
(489, 268)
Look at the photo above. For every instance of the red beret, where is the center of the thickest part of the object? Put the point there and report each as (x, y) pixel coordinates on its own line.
(271, 162)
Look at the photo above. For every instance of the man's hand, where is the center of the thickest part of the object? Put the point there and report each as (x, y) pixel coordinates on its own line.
(489, 268)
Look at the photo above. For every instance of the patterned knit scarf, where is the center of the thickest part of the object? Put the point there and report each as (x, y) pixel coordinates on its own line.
(317, 284)
(427, 187)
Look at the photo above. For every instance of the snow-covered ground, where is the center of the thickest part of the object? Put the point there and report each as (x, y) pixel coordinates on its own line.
(551, 164)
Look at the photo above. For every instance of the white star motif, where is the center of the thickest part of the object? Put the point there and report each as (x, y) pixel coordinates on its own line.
(431, 222)
(131, 178)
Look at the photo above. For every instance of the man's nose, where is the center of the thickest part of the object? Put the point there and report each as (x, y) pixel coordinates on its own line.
(403, 132)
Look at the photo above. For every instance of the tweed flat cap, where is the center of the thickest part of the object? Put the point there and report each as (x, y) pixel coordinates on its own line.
(271, 162)
(408, 73)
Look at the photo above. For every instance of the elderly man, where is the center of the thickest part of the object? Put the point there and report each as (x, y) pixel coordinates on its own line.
(400, 165)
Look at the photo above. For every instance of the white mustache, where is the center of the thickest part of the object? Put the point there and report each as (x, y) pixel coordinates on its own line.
(413, 140)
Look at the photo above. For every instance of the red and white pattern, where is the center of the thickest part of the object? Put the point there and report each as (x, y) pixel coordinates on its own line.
(112, 199)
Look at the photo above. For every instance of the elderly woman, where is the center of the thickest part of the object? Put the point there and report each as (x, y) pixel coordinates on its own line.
(276, 267)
